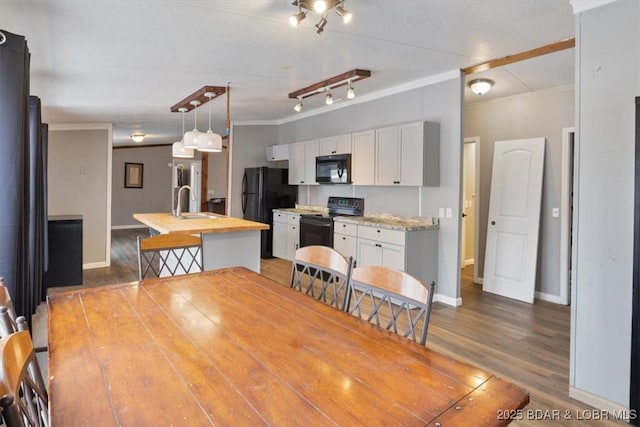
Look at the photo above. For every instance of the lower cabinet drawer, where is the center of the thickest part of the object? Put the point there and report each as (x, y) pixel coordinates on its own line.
(395, 237)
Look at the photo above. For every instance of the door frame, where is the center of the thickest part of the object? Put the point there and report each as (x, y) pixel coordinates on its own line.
(476, 221)
(566, 189)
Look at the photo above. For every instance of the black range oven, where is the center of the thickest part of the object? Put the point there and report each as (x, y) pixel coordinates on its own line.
(318, 229)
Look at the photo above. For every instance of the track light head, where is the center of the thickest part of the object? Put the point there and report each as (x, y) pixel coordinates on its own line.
(297, 18)
(298, 106)
(320, 6)
(319, 27)
(344, 14)
(329, 98)
(350, 92)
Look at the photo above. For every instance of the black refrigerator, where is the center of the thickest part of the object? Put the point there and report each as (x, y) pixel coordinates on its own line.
(264, 189)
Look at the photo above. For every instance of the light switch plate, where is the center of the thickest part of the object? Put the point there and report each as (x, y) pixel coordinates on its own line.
(441, 213)
(555, 212)
(449, 213)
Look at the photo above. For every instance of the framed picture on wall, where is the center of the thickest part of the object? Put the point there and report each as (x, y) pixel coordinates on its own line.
(133, 175)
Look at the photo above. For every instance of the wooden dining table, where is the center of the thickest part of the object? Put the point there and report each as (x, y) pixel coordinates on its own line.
(232, 347)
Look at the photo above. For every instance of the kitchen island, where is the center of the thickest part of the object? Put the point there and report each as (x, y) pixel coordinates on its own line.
(226, 241)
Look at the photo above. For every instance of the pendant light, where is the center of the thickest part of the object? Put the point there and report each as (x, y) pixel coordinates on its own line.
(190, 139)
(210, 141)
(178, 149)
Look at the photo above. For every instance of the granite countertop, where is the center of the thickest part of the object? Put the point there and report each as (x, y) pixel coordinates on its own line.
(305, 210)
(394, 222)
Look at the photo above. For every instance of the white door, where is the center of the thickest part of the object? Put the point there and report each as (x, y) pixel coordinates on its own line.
(514, 218)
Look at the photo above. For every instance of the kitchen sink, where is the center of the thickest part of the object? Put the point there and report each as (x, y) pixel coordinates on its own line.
(197, 215)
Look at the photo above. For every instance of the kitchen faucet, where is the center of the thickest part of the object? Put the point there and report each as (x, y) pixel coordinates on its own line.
(193, 197)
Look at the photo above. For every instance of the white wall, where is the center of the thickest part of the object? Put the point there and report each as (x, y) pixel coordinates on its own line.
(537, 114)
(608, 80)
(79, 173)
(155, 194)
(439, 101)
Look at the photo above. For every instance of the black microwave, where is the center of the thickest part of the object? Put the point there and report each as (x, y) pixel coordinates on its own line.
(334, 169)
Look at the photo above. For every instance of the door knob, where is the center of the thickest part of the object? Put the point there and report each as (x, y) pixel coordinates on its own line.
(493, 223)
(464, 214)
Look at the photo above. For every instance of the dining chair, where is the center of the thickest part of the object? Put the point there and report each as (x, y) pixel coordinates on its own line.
(9, 321)
(322, 273)
(24, 400)
(392, 299)
(169, 255)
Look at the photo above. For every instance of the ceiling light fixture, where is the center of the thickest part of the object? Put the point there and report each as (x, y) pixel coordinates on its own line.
(480, 86)
(325, 86)
(137, 137)
(178, 149)
(210, 141)
(329, 98)
(190, 139)
(350, 92)
(321, 7)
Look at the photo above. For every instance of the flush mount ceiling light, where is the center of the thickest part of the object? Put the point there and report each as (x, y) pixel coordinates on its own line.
(137, 137)
(325, 86)
(210, 142)
(321, 7)
(178, 149)
(480, 86)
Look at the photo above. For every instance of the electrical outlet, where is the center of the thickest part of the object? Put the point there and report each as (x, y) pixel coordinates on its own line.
(441, 213)
(555, 212)
(449, 213)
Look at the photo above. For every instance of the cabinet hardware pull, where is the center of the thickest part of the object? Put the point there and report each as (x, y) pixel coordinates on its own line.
(378, 231)
(344, 238)
(378, 245)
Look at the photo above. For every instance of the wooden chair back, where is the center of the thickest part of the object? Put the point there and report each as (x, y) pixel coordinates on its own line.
(169, 255)
(323, 273)
(392, 299)
(7, 312)
(24, 400)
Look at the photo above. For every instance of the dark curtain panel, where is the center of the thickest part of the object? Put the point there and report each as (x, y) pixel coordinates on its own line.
(44, 213)
(14, 90)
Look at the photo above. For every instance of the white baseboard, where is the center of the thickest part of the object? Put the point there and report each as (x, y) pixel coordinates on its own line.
(621, 412)
(90, 265)
(124, 227)
(479, 280)
(454, 302)
(468, 262)
(548, 297)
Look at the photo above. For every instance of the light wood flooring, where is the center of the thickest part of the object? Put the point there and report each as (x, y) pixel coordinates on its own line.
(527, 344)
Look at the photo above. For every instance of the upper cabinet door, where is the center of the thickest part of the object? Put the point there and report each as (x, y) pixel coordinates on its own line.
(363, 160)
(311, 152)
(387, 156)
(297, 163)
(335, 145)
(411, 154)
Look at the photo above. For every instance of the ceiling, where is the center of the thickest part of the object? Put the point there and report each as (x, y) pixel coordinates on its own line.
(127, 62)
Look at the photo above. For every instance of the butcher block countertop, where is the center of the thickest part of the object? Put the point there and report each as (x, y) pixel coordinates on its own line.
(202, 222)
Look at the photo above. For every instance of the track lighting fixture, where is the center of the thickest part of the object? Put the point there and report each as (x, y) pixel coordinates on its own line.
(321, 7)
(329, 98)
(325, 86)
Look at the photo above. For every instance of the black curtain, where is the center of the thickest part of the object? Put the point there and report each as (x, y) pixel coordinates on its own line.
(23, 151)
(14, 91)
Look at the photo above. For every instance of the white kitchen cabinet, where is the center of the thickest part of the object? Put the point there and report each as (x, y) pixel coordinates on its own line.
(345, 238)
(302, 162)
(363, 158)
(276, 153)
(335, 145)
(408, 155)
(286, 234)
(414, 252)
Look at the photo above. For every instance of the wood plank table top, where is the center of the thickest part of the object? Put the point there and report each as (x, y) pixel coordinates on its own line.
(231, 347)
(215, 223)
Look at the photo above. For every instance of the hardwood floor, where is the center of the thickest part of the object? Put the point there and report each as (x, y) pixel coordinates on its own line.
(527, 344)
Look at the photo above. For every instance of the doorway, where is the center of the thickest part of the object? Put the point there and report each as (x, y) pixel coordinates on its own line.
(566, 213)
(470, 183)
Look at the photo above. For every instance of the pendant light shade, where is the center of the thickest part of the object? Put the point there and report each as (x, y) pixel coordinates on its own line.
(190, 139)
(210, 142)
(178, 149)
